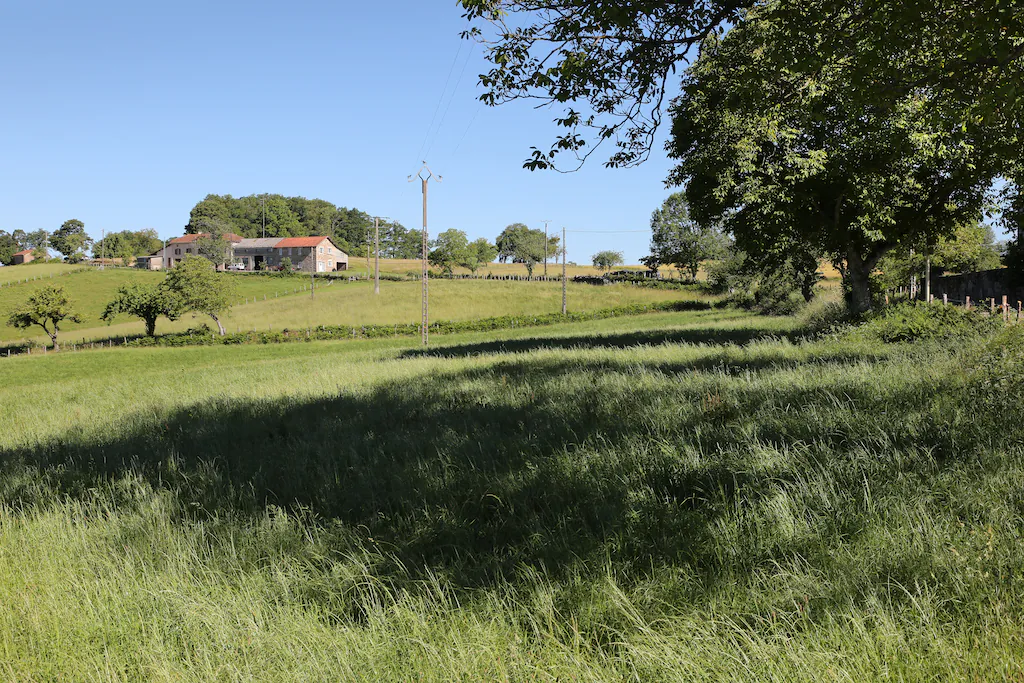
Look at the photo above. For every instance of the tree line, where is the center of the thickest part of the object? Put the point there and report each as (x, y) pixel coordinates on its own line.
(72, 242)
(274, 215)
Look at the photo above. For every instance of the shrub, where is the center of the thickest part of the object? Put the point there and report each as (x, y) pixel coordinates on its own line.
(827, 318)
(918, 321)
(997, 376)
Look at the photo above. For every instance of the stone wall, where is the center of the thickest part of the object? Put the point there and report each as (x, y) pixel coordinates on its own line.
(980, 286)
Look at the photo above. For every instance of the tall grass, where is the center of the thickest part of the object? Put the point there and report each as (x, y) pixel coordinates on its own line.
(679, 497)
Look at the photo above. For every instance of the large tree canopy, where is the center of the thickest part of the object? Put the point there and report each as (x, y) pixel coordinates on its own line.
(70, 239)
(519, 243)
(820, 173)
(604, 64)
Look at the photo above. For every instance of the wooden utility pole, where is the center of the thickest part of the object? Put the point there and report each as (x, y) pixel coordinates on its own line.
(376, 255)
(564, 310)
(312, 271)
(425, 322)
(928, 277)
(545, 249)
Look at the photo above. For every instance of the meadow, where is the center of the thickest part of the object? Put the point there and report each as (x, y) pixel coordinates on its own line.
(670, 497)
(12, 275)
(274, 303)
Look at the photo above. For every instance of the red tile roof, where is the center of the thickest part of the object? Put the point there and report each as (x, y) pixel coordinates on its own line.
(229, 236)
(301, 241)
(24, 253)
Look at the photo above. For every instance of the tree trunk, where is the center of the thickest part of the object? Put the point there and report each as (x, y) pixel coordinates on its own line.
(150, 326)
(53, 338)
(219, 326)
(857, 283)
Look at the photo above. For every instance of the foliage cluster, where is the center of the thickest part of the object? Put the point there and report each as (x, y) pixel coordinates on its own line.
(779, 289)
(678, 240)
(917, 321)
(47, 308)
(452, 248)
(519, 243)
(127, 244)
(607, 259)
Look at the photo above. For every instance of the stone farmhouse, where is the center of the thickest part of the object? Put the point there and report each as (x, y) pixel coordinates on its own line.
(317, 253)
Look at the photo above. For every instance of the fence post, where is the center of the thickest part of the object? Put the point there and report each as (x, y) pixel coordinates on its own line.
(945, 299)
(967, 304)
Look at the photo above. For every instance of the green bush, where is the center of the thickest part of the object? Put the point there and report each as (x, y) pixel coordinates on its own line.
(918, 321)
(827, 318)
(999, 370)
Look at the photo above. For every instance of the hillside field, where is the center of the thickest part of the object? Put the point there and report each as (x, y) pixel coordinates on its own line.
(667, 497)
(273, 302)
(11, 275)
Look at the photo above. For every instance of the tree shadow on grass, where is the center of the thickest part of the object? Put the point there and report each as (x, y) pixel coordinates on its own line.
(475, 474)
(703, 335)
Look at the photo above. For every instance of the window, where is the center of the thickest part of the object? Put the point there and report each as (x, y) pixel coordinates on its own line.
(177, 251)
(291, 250)
(189, 250)
(321, 250)
(329, 250)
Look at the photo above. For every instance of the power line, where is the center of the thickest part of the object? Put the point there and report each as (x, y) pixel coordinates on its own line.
(440, 99)
(608, 232)
(466, 132)
(458, 82)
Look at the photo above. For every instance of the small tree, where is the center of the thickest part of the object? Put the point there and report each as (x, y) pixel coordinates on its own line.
(451, 248)
(148, 302)
(678, 240)
(197, 287)
(606, 260)
(47, 308)
(481, 252)
(286, 265)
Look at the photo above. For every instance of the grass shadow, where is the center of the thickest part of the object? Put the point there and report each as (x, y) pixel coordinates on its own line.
(704, 335)
(475, 474)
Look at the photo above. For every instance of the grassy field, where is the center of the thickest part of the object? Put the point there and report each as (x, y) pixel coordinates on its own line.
(672, 497)
(35, 271)
(340, 303)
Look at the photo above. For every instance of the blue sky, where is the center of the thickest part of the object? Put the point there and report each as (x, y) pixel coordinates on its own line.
(125, 114)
